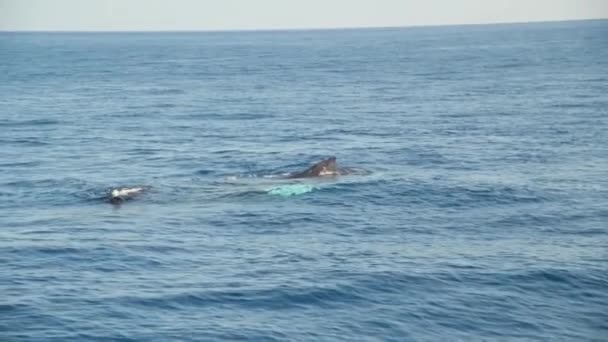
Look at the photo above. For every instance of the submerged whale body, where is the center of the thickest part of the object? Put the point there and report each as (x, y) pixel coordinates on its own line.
(120, 195)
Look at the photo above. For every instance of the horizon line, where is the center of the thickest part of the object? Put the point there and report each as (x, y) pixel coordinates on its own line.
(336, 28)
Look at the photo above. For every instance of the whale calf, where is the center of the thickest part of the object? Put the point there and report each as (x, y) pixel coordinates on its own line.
(119, 195)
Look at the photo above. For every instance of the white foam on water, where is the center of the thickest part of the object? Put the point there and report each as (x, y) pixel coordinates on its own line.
(291, 190)
(125, 191)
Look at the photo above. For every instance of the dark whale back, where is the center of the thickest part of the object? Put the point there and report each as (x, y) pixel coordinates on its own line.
(326, 167)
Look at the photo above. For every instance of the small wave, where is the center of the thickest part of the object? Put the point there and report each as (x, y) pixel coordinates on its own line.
(165, 91)
(234, 116)
(144, 152)
(32, 142)
(227, 151)
(572, 105)
(555, 280)
(278, 298)
(21, 164)
(11, 308)
(512, 65)
(164, 105)
(58, 250)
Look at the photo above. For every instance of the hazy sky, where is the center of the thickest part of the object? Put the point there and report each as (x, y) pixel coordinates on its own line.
(94, 15)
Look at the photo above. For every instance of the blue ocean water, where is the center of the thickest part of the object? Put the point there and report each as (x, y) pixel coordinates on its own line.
(484, 215)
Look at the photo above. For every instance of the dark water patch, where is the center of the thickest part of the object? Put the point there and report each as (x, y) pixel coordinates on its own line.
(25, 142)
(243, 116)
(144, 151)
(455, 115)
(4, 194)
(511, 65)
(577, 105)
(341, 133)
(27, 123)
(107, 337)
(144, 113)
(164, 105)
(13, 308)
(157, 248)
(205, 172)
(37, 232)
(20, 164)
(226, 151)
(165, 91)
(53, 250)
(57, 250)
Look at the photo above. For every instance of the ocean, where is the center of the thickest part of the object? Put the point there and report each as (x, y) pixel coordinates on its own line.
(482, 214)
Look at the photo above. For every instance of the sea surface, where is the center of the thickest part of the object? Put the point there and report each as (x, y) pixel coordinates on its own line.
(483, 214)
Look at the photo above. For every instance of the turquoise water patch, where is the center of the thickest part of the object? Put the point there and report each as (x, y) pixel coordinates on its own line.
(291, 190)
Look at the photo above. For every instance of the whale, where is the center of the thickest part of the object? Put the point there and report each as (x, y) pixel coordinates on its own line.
(325, 168)
(120, 195)
(328, 167)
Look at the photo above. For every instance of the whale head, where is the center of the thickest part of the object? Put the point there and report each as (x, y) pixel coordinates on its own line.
(119, 195)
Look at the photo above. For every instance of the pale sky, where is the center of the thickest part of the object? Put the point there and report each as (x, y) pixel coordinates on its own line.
(158, 15)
